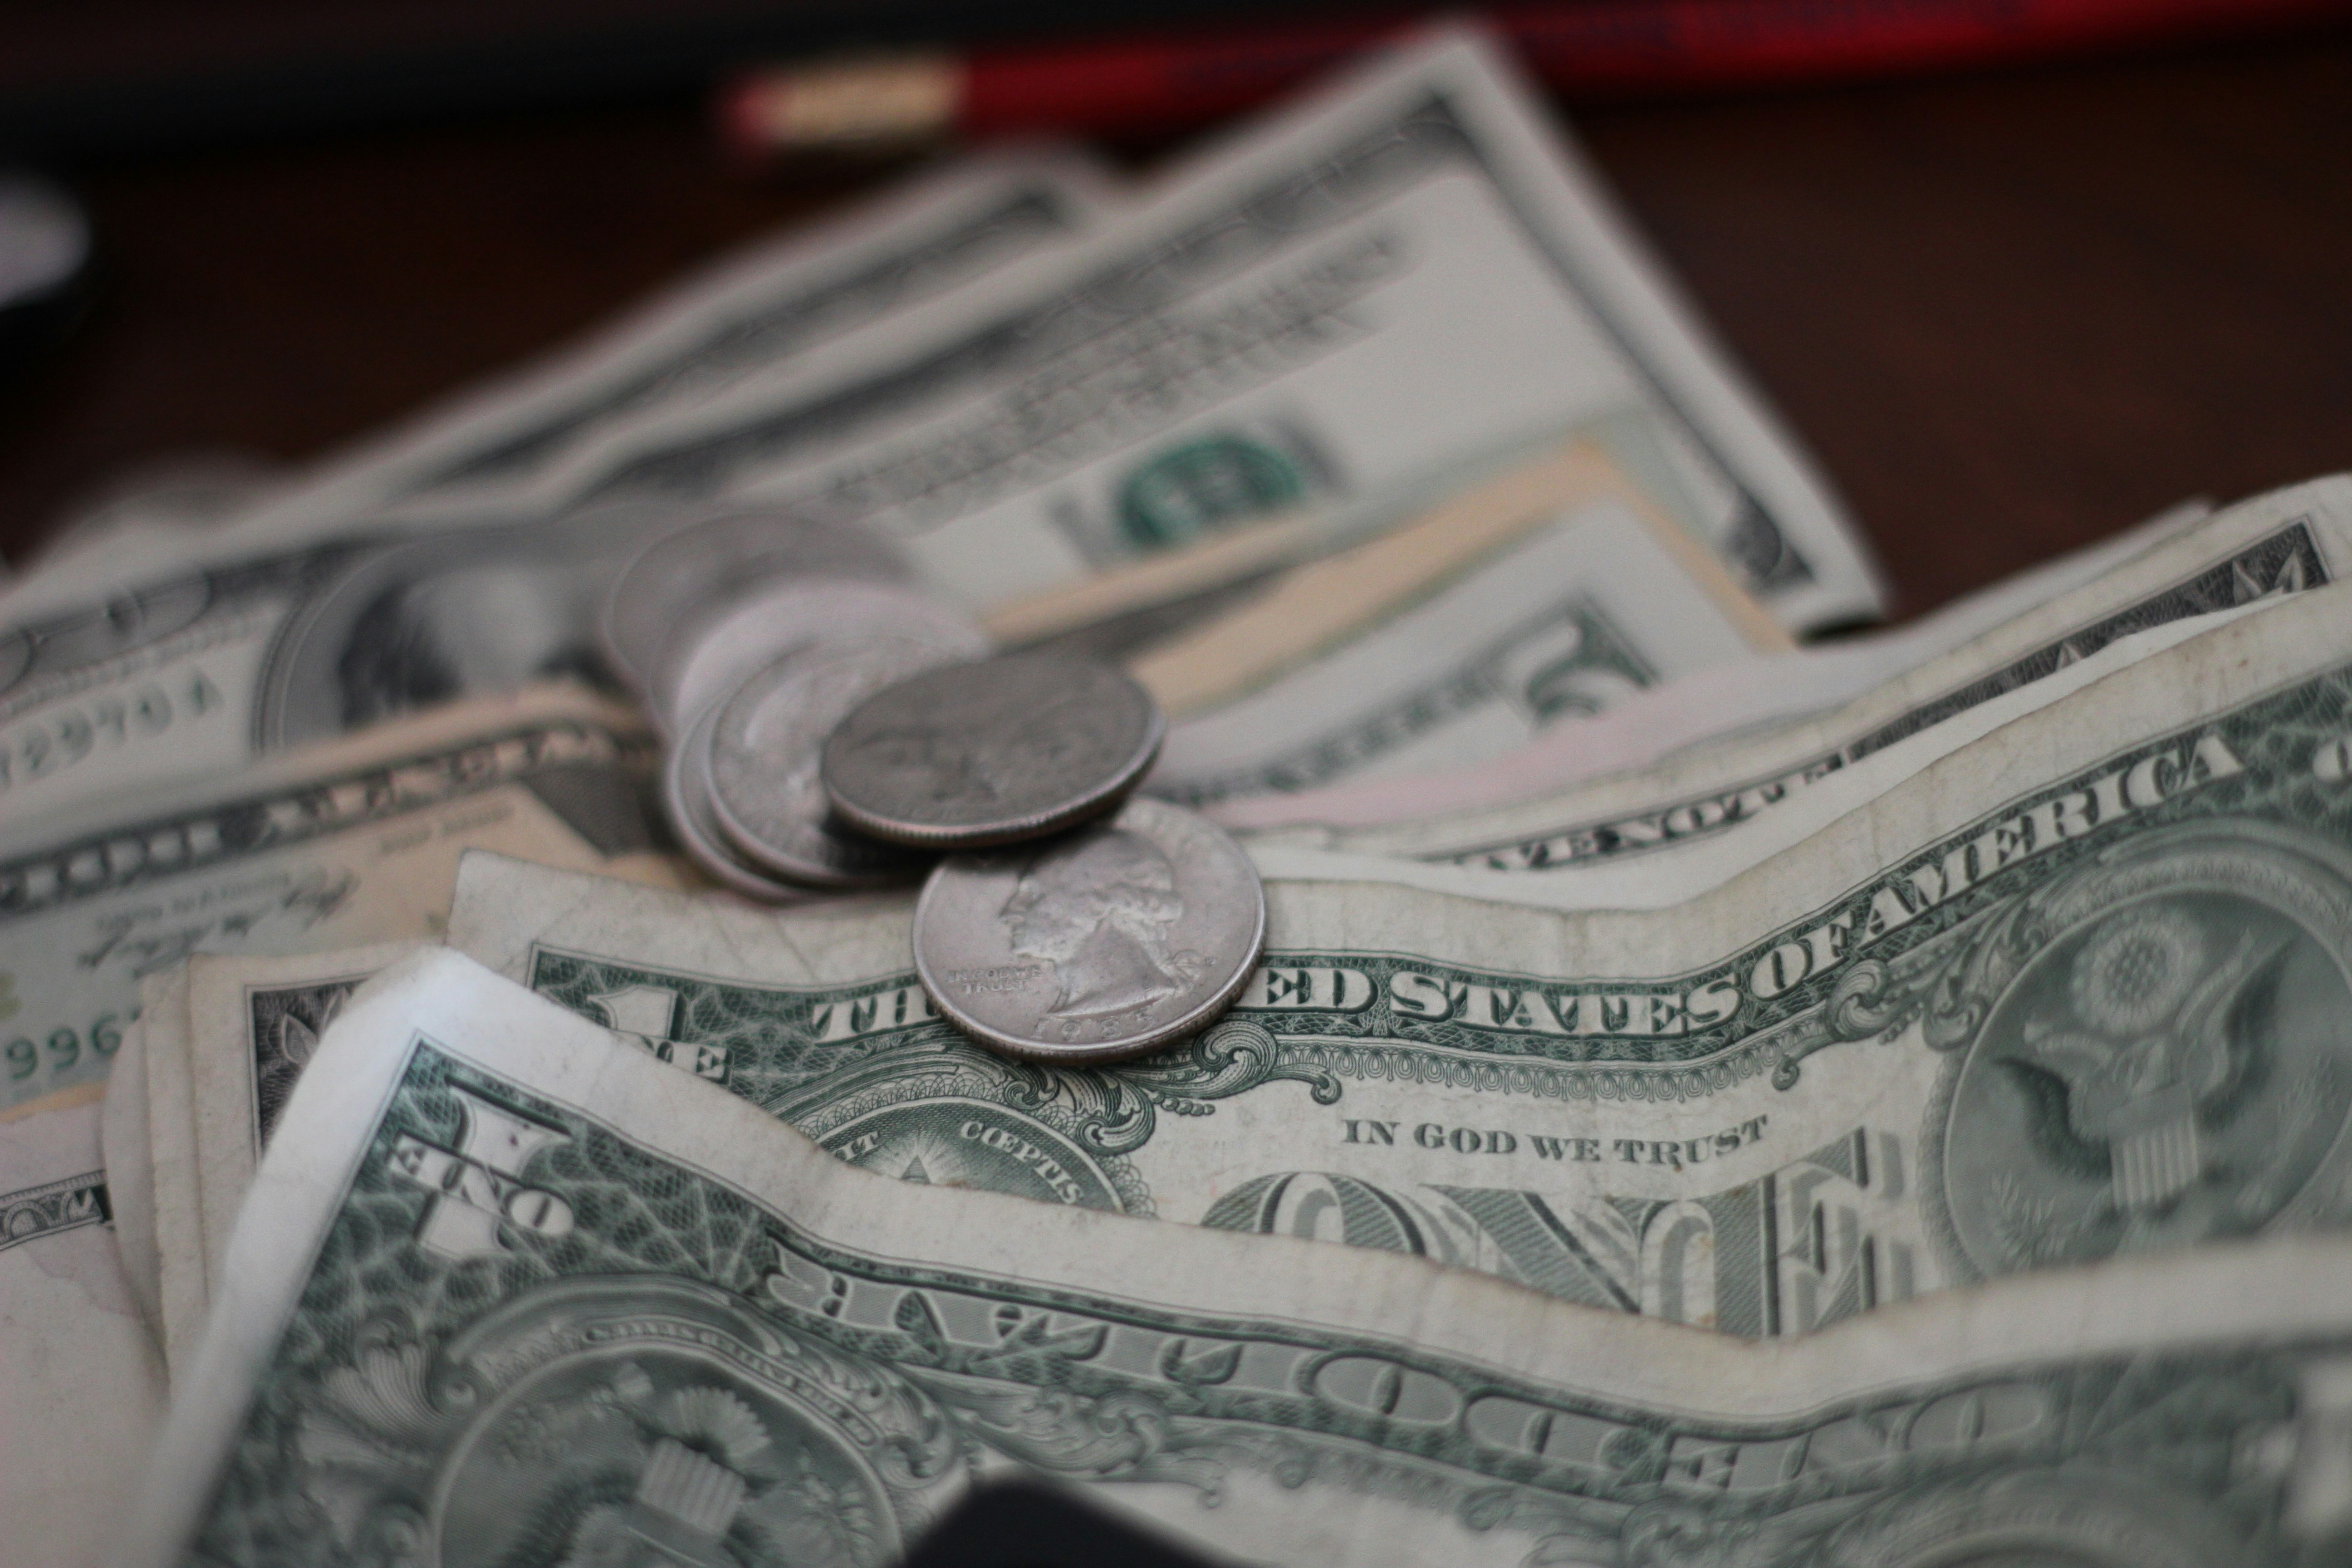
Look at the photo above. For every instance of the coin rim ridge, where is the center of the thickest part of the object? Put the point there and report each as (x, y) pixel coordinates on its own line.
(711, 858)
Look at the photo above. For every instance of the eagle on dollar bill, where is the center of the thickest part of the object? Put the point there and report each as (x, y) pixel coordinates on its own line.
(2147, 1046)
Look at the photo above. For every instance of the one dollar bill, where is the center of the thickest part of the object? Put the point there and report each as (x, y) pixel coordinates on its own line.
(510, 1290)
(1401, 274)
(1592, 794)
(2075, 991)
(351, 842)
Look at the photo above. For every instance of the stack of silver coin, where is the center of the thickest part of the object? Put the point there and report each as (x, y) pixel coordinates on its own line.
(829, 728)
(748, 635)
(1068, 921)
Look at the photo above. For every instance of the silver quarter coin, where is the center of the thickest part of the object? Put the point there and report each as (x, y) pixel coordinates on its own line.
(992, 752)
(684, 577)
(686, 795)
(764, 788)
(1104, 942)
(711, 660)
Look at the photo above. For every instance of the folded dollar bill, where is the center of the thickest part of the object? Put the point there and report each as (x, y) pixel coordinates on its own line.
(1886, 1061)
(1739, 700)
(1402, 272)
(745, 320)
(1602, 791)
(509, 1289)
(351, 842)
(1458, 655)
(1703, 862)
(215, 1052)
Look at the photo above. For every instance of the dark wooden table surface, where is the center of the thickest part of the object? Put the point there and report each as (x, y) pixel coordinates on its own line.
(2010, 313)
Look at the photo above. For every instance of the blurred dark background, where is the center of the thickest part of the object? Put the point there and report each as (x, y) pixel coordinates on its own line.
(2010, 311)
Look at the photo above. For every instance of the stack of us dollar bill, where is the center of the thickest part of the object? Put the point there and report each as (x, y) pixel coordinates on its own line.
(1705, 1099)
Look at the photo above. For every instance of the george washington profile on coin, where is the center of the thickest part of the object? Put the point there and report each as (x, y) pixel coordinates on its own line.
(1100, 908)
(1104, 942)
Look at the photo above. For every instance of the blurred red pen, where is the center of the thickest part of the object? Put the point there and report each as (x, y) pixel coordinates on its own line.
(1140, 84)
